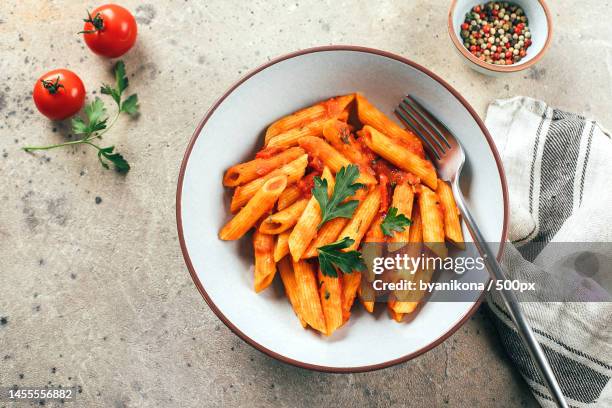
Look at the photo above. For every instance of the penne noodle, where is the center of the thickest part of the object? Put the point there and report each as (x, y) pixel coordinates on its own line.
(422, 275)
(400, 156)
(373, 247)
(283, 220)
(350, 285)
(256, 207)
(370, 115)
(452, 225)
(265, 267)
(289, 196)
(245, 172)
(416, 229)
(366, 295)
(326, 109)
(294, 171)
(333, 159)
(292, 136)
(363, 217)
(330, 291)
(308, 294)
(338, 134)
(394, 315)
(306, 228)
(433, 222)
(281, 247)
(327, 234)
(403, 199)
(285, 269)
(395, 304)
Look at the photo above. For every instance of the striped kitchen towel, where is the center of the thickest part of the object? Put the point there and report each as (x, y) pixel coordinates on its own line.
(558, 167)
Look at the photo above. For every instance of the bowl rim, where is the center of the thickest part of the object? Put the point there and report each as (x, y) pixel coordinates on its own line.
(191, 268)
(500, 68)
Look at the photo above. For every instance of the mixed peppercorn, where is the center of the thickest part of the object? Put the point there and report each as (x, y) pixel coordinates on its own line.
(496, 32)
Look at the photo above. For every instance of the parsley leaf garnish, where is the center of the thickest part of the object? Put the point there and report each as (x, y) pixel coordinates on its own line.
(130, 105)
(333, 207)
(394, 222)
(331, 257)
(96, 123)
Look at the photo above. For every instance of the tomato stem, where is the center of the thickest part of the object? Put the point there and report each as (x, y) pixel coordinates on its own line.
(97, 22)
(52, 87)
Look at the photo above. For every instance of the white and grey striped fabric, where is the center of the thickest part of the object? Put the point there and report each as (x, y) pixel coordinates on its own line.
(558, 167)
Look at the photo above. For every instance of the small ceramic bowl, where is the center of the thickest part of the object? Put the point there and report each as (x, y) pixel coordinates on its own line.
(540, 25)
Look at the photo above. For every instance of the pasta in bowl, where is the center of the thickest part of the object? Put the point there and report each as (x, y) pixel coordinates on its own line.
(321, 187)
(292, 167)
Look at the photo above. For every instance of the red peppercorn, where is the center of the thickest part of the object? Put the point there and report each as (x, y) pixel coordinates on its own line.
(482, 15)
(508, 54)
(495, 12)
(473, 48)
(509, 62)
(489, 45)
(522, 53)
(486, 28)
(465, 26)
(496, 56)
(527, 42)
(477, 9)
(517, 30)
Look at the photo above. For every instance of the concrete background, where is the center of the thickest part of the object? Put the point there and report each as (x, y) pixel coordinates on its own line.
(93, 289)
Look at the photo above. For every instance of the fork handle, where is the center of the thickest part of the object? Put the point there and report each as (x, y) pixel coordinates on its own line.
(510, 300)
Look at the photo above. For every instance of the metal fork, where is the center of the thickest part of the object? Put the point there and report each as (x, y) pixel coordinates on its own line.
(447, 155)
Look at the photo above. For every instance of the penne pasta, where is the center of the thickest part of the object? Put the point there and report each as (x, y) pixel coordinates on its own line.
(327, 234)
(330, 291)
(293, 170)
(292, 136)
(350, 285)
(452, 225)
(433, 221)
(400, 155)
(370, 115)
(363, 217)
(331, 158)
(366, 295)
(397, 308)
(283, 220)
(306, 228)
(289, 196)
(308, 294)
(403, 200)
(265, 267)
(285, 270)
(245, 172)
(338, 134)
(321, 110)
(256, 207)
(281, 247)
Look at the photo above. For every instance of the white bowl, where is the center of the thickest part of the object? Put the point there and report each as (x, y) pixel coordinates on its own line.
(231, 132)
(539, 22)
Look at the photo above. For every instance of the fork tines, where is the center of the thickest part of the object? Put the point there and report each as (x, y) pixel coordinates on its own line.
(425, 125)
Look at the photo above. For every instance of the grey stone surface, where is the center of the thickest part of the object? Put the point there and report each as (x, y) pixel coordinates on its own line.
(95, 292)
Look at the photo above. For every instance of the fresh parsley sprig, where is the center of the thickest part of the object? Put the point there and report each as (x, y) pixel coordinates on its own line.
(333, 207)
(331, 257)
(97, 122)
(394, 222)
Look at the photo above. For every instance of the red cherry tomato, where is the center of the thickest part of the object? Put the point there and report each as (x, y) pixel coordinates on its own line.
(110, 31)
(59, 94)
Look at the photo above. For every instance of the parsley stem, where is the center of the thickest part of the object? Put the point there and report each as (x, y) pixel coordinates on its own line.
(73, 142)
(86, 139)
